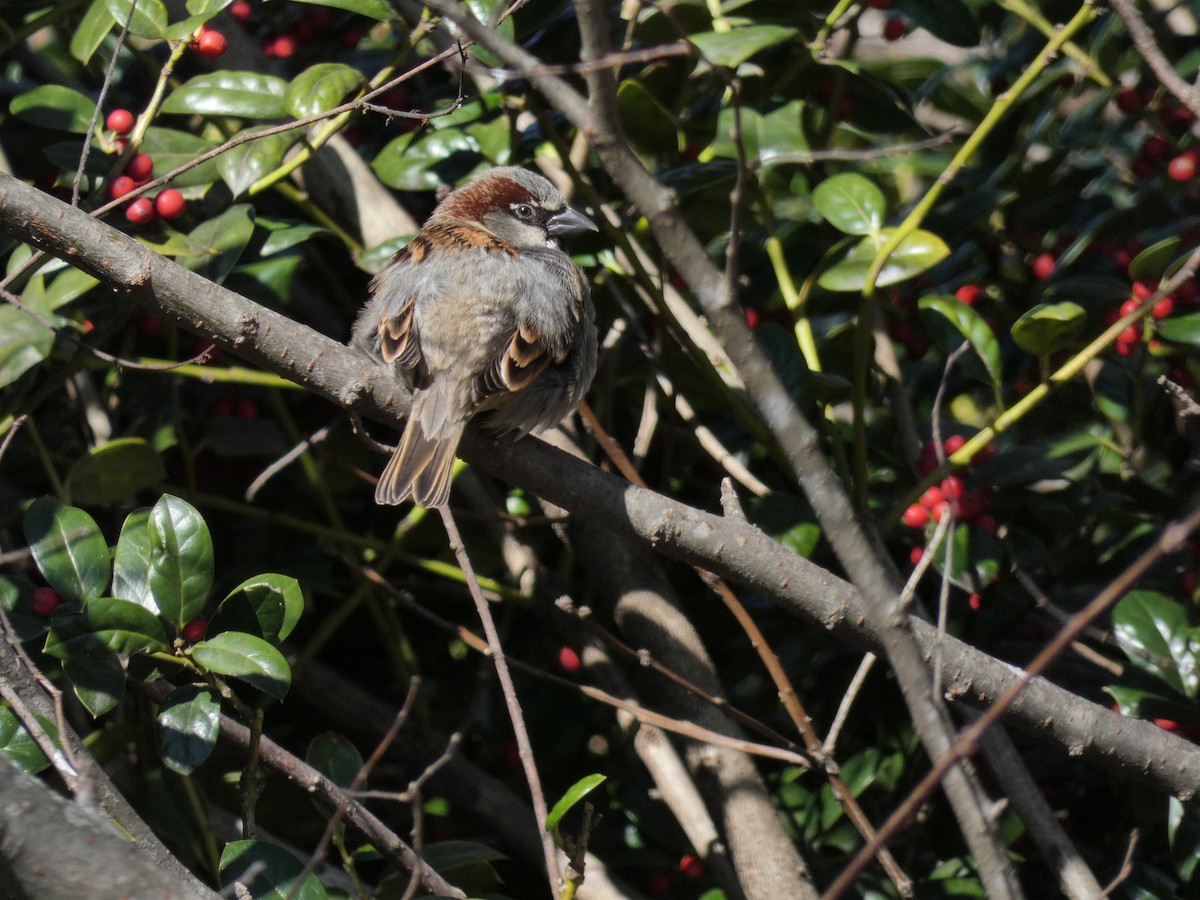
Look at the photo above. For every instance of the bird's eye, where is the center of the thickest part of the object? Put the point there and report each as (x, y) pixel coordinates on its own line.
(523, 211)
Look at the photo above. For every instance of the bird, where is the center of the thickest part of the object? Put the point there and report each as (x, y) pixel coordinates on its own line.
(483, 312)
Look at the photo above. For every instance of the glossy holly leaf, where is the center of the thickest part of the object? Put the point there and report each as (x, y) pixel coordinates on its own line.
(1181, 329)
(283, 234)
(246, 95)
(1154, 261)
(271, 604)
(970, 326)
(950, 20)
(24, 343)
(68, 285)
(248, 658)
(372, 9)
(410, 165)
(851, 203)
(201, 11)
(131, 562)
(486, 11)
(123, 626)
(651, 127)
(214, 246)
(917, 253)
(187, 727)
(1154, 632)
(16, 599)
(573, 795)
(18, 744)
(68, 548)
(458, 856)
(98, 681)
(56, 107)
(114, 471)
(149, 17)
(172, 149)
(732, 48)
(247, 163)
(268, 871)
(321, 87)
(1049, 327)
(91, 31)
(335, 758)
(181, 560)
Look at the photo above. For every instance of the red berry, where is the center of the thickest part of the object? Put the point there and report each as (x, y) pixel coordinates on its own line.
(1182, 168)
(120, 186)
(969, 294)
(939, 511)
(953, 444)
(283, 47)
(916, 516)
(1130, 305)
(1043, 265)
(1164, 307)
(1129, 102)
(195, 630)
(1155, 147)
(45, 600)
(690, 866)
(975, 602)
(932, 497)
(1143, 289)
(222, 408)
(894, 28)
(120, 121)
(1189, 581)
(210, 43)
(140, 167)
(568, 660)
(240, 10)
(140, 211)
(987, 523)
(881, 4)
(245, 408)
(752, 318)
(169, 204)
(350, 38)
(953, 487)
(1125, 349)
(1142, 169)
(1130, 335)
(915, 555)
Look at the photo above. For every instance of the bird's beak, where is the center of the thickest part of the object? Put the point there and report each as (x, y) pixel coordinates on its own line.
(569, 221)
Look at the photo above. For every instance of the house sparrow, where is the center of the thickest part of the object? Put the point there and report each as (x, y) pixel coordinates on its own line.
(481, 312)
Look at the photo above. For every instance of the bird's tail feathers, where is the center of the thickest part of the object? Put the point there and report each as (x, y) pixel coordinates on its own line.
(421, 464)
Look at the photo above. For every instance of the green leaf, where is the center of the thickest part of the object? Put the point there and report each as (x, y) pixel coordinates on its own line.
(1153, 262)
(23, 344)
(1049, 327)
(321, 87)
(114, 471)
(917, 253)
(971, 326)
(372, 9)
(447, 856)
(172, 149)
(149, 17)
(98, 681)
(573, 795)
(18, 744)
(248, 658)
(652, 128)
(54, 106)
(275, 872)
(69, 549)
(283, 234)
(1154, 633)
(187, 727)
(271, 603)
(484, 11)
(69, 285)
(851, 203)
(105, 626)
(1181, 329)
(181, 560)
(789, 520)
(16, 598)
(335, 758)
(247, 163)
(246, 95)
(214, 246)
(131, 562)
(411, 166)
(732, 48)
(950, 20)
(91, 31)
(206, 7)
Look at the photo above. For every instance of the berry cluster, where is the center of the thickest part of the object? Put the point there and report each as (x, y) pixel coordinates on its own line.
(969, 504)
(1128, 340)
(1172, 119)
(168, 204)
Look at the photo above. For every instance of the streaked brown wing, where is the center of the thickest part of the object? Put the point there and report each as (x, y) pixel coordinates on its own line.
(399, 342)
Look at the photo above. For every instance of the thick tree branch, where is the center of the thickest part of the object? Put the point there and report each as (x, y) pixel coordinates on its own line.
(1133, 749)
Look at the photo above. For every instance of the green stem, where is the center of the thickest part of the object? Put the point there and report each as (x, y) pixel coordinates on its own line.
(1035, 18)
(212, 854)
(796, 302)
